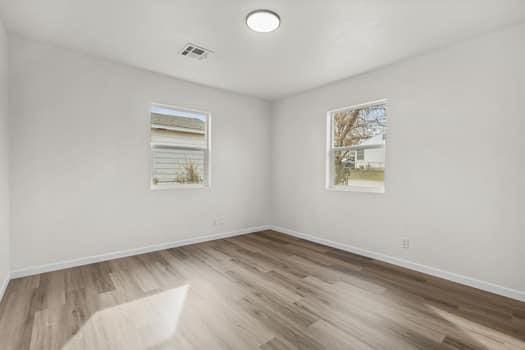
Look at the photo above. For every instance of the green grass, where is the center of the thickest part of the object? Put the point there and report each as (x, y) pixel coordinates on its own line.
(368, 175)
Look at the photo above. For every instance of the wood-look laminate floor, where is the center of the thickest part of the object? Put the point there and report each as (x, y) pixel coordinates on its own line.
(257, 291)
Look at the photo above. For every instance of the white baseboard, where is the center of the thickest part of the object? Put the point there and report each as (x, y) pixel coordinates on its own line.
(454, 277)
(3, 286)
(60, 265)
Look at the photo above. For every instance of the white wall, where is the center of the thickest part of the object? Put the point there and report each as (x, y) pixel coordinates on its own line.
(455, 161)
(81, 158)
(4, 164)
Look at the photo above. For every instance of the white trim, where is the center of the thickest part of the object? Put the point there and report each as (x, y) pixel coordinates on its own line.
(164, 145)
(173, 185)
(60, 265)
(207, 164)
(451, 276)
(4, 285)
(355, 188)
(175, 128)
(361, 105)
(329, 169)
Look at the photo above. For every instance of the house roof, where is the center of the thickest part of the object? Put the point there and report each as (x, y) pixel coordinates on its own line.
(377, 141)
(192, 124)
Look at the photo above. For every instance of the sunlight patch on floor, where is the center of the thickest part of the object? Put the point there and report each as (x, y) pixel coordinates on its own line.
(140, 324)
(478, 332)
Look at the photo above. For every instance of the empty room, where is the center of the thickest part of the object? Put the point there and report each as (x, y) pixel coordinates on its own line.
(262, 174)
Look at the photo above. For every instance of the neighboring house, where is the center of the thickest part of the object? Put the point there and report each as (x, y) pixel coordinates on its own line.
(368, 155)
(177, 142)
(177, 131)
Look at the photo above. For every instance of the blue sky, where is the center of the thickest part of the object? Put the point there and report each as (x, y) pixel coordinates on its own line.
(178, 112)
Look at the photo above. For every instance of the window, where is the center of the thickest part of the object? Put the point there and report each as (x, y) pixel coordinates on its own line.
(356, 147)
(179, 147)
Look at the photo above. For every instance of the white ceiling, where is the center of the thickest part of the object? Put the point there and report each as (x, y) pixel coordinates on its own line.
(319, 40)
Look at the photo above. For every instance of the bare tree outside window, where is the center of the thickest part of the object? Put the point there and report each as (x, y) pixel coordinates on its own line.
(357, 146)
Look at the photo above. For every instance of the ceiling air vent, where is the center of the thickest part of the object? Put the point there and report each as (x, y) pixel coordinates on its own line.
(194, 51)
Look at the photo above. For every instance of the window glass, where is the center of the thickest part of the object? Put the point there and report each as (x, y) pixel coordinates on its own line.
(357, 147)
(179, 143)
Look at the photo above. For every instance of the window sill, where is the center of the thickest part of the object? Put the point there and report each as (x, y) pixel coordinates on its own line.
(366, 189)
(178, 187)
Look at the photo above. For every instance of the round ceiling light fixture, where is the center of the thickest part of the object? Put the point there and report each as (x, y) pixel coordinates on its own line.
(263, 21)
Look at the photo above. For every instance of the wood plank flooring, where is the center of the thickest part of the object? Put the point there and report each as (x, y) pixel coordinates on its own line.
(258, 291)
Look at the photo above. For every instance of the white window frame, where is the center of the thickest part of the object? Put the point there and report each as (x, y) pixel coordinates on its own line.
(207, 151)
(329, 168)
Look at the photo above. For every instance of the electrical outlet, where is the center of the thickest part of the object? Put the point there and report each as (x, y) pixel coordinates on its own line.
(218, 221)
(405, 243)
